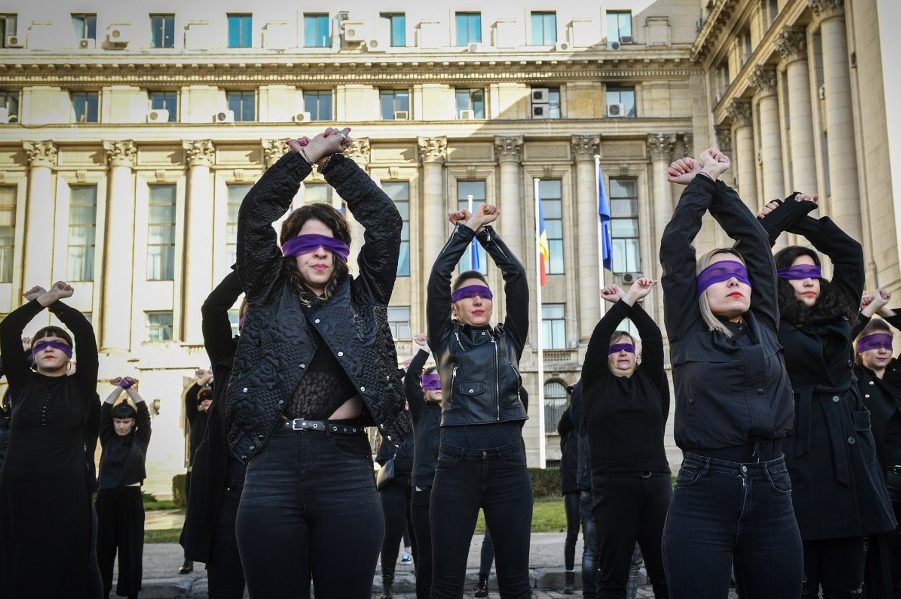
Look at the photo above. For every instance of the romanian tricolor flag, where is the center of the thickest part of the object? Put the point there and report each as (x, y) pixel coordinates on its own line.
(543, 247)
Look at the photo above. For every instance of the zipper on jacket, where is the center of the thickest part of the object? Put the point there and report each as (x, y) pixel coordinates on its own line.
(453, 378)
(460, 343)
(497, 379)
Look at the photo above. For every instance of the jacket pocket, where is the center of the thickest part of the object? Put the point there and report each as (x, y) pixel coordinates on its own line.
(471, 388)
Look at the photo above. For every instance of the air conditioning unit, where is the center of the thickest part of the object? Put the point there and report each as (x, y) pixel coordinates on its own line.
(541, 111)
(87, 43)
(158, 115)
(561, 46)
(375, 46)
(625, 39)
(4, 115)
(118, 36)
(353, 31)
(474, 47)
(301, 117)
(225, 116)
(540, 95)
(401, 115)
(616, 109)
(466, 115)
(630, 277)
(614, 45)
(14, 41)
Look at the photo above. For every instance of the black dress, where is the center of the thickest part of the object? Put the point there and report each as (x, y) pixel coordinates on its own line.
(45, 510)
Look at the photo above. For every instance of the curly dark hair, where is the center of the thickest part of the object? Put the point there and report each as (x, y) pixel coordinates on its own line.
(830, 305)
(335, 221)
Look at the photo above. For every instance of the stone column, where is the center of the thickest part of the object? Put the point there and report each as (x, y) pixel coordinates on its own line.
(763, 79)
(660, 152)
(118, 262)
(844, 196)
(39, 216)
(723, 139)
(511, 200)
(359, 152)
(197, 274)
(792, 44)
(745, 156)
(273, 149)
(584, 148)
(433, 232)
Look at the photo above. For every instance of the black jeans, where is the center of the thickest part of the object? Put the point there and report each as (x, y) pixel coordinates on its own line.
(224, 572)
(486, 555)
(422, 532)
(590, 573)
(310, 509)
(836, 565)
(571, 507)
(629, 508)
(724, 513)
(893, 538)
(395, 499)
(120, 526)
(497, 481)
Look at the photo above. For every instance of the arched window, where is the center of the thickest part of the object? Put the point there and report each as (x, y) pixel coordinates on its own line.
(554, 404)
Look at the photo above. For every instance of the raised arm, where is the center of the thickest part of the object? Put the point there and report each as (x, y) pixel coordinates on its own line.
(438, 303)
(595, 367)
(412, 384)
(107, 431)
(11, 327)
(85, 345)
(844, 251)
(516, 285)
(191, 402)
(142, 419)
(781, 215)
(217, 328)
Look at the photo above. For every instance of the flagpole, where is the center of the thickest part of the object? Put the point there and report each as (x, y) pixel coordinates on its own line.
(597, 197)
(539, 337)
(472, 247)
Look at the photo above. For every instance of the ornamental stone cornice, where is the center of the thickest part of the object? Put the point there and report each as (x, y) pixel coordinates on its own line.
(199, 152)
(508, 148)
(660, 146)
(740, 113)
(40, 153)
(827, 9)
(714, 26)
(763, 79)
(273, 149)
(585, 147)
(359, 151)
(683, 145)
(432, 149)
(121, 153)
(792, 44)
(724, 138)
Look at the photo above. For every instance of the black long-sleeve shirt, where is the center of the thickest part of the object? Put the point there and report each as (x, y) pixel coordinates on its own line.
(122, 460)
(426, 423)
(626, 416)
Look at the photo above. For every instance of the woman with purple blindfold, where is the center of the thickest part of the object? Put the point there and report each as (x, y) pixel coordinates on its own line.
(626, 408)
(481, 457)
(45, 510)
(731, 505)
(832, 455)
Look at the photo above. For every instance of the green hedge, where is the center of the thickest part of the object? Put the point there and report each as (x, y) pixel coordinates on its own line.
(545, 482)
(178, 491)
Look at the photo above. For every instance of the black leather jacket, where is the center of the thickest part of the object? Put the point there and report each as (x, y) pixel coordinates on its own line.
(277, 342)
(479, 366)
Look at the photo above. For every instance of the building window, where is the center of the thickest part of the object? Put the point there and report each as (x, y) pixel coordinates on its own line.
(165, 101)
(555, 402)
(86, 106)
(550, 192)
(621, 102)
(82, 229)
(399, 321)
(624, 225)
(772, 10)
(317, 193)
(619, 26)
(744, 46)
(470, 103)
(318, 104)
(721, 82)
(161, 233)
(85, 26)
(395, 104)
(159, 326)
(545, 102)
(240, 31)
(8, 28)
(162, 31)
(399, 191)
(316, 31)
(544, 28)
(469, 28)
(476, 189)
(10, 101)
(7, 232)
(243, 104)
(553, 326)
(397, 29)
(236, 193)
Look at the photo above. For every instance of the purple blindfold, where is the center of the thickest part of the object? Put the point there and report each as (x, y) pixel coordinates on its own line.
(304, 244)
(471, 291)
(618, 347)
(875, 341)
(800, 271)
(722, 271)
(431, 382)
(42, 345)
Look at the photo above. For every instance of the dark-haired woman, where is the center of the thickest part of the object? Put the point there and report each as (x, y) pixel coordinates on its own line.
(315, 365)
(626, 407)
(423, 388)
(198, 399)
(732, 499)
(481, 458)
(569, 465)
(45, 503)
(395, 496)
(124, 436)
(831, 456)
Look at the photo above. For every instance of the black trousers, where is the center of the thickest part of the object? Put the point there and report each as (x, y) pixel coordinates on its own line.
(422, 535)
(396, 497)
(571, 507)
(486, 556)
(836, 565)
(629, 508)
(225, 574)
(120, 527)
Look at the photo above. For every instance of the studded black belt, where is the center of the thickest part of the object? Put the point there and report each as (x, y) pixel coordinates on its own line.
(324, 426)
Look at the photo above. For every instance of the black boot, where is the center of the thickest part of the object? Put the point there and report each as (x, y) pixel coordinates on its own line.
(481, 589)
(569, 582)
(387, 583)
(186, 567)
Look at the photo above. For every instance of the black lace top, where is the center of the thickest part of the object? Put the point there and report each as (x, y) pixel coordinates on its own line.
(323, 388)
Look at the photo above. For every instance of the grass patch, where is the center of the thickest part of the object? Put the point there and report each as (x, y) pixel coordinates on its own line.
(548, 515)
(166, 535)
(160, 504)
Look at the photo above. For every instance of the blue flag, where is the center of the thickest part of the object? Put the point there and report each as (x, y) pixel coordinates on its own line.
(604, 214)
(474, 262)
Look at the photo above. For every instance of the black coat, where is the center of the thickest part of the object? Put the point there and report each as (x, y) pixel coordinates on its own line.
(479, 366)
(569, 453)
(278, 340)
(838, 488)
